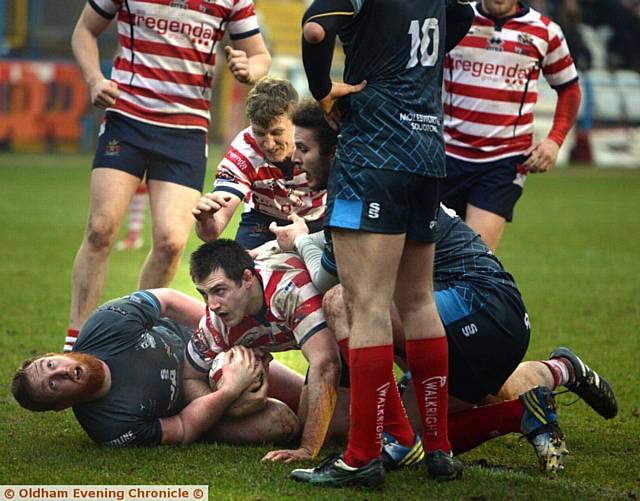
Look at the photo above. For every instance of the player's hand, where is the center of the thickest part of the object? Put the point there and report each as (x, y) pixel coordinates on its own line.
(104, 93)
(238, 63)
(209, 204)
(288, 455)
(240, 370)
(542, 156)
(286, 235)
(328, 103)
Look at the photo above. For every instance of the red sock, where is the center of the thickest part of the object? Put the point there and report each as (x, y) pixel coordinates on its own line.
(470, 428)
(429, 365)
(70, 340)
(396, 421)
(369, 368)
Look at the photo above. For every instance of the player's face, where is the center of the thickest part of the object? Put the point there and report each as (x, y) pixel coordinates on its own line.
(500, 8)
(67, 379)
(229, 301)
(307, 158)
(276, 141)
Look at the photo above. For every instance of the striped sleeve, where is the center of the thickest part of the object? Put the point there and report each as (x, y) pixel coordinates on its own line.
(557, 65)
(236, 172)
(301, 304)
(202, 348)
(243, 22)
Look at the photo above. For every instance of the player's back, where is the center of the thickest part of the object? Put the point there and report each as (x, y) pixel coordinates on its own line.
(395, 122)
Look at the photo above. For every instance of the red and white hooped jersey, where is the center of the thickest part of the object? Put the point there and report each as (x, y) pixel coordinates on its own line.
(168, 55)
(491, 83)
(292, 314)
(265, 187)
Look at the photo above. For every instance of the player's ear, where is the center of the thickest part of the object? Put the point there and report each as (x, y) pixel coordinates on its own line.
(247, 278)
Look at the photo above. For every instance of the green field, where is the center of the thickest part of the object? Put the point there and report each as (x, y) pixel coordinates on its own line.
(574, 250)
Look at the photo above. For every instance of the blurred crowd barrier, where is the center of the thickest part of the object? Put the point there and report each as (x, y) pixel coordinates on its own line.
(42, 105)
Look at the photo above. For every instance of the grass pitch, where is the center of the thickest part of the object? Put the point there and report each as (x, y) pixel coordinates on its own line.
(573, 249)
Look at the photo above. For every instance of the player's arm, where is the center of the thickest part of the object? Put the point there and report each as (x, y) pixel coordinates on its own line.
(213, 213)
(459, 18)
(180, 307)
(310, 247)
(84, 44)
(543, 155)
(248, 59)
(321, 351)
(320, 25)
(239, 372)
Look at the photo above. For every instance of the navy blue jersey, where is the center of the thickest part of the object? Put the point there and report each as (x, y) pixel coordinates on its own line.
(395, 123)
(145, 356)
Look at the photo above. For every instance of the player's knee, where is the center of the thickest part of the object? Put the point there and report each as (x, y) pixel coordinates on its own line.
(313, 33)
(286, 425)
(169, 247)
(333, 302)
(101, 233)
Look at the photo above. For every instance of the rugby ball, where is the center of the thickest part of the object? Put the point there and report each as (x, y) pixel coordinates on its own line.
(215, 373)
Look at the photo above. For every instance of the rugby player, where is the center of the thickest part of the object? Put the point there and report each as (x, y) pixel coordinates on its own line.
(272, 305)
(491, 87)
(485, 319)
(124, 380)
(156, 121)
(383, 198)
(257, 169)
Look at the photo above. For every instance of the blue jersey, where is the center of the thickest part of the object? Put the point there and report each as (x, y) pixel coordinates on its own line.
(395, 123)
(145, 355)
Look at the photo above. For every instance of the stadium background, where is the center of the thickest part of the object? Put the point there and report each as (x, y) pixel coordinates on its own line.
(573, 250)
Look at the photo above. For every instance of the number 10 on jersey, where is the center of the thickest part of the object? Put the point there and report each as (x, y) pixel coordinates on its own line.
(426, 39)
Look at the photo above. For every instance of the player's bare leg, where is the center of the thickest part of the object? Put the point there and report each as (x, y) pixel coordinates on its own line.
(276, 423)
(488, 225)
(171, 206)
(367, 263)
(285, 384)
(111, 191)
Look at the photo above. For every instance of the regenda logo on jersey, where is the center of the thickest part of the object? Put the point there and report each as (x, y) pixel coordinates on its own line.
(201, 32)
(479, 68)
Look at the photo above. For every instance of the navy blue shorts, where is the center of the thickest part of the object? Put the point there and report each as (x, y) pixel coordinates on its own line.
(493, 186)
(253, 229)
(162, 153)
(383, 201)
(488, 333)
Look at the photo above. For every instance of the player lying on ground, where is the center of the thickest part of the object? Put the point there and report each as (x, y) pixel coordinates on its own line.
(124, 380)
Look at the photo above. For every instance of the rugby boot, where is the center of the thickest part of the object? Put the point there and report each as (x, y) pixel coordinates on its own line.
(588, 385)
(540, 425)
(334, 472)
(395, 455)
(443, 466)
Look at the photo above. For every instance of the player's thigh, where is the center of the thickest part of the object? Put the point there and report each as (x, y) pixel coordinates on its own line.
(175, 178)
(415, 274)
(285, 384)
(487, 224)
(171, 206)
(111, 192)
(368, 212)
(276, 423)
